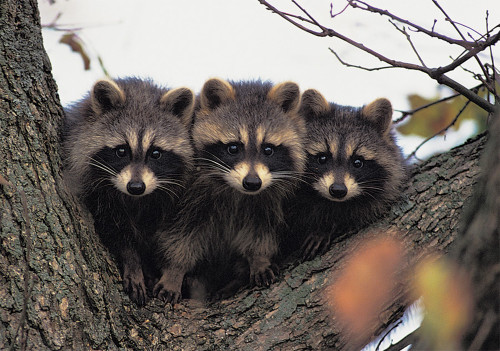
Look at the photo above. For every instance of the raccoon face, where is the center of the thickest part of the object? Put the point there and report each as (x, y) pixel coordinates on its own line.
(350, 153)
(249, 135)
(249, 168)
(342, 176)
(137, 172)
(139, 138)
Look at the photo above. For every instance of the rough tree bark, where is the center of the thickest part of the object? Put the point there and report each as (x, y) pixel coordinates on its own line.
(59, 288)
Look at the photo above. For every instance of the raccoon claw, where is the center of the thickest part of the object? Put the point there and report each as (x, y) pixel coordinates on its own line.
(171, 297)
(313, 245)
(264, 277)
(168, 288)
(135, 289)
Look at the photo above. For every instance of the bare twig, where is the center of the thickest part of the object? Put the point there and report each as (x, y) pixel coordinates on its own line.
(54, 21)
(480, 78)
(298, 17)
(307, 14)
(495, 73)
(469, 28)
(332, 15)
(448, 18)
(356, 66)
(405, 33)
(464, 43)
(287, 18)
(58, 27)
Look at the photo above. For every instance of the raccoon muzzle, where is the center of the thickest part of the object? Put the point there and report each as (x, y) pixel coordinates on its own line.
(252, 183)
(338, 191)
(136, 188)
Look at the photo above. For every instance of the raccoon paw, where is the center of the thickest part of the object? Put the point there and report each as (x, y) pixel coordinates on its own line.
(134, 286)
(265, 276)
(315, 244)
(167, 291)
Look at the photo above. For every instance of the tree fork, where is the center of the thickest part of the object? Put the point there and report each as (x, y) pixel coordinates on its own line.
(76, 300)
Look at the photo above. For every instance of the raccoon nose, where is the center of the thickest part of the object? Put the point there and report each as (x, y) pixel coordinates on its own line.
(338, 191)
(252, 183)
(136, 188)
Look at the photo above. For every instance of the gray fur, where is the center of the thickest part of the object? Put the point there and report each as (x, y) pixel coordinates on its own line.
(136, 118)
(219, 222)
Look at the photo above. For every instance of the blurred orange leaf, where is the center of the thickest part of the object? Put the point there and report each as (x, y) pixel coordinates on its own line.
(76, 45)
(365, 284)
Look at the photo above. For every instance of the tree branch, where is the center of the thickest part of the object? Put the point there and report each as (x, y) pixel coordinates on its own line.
(463, 43)
(459, 33)
(437, 74)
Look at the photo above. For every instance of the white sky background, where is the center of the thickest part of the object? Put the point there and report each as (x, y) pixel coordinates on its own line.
(183, 43)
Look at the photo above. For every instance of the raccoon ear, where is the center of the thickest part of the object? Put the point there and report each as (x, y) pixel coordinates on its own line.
(286, 95)
(379, 112)
(180, 102)
(313, 103)
(215, 92)
(106, 95)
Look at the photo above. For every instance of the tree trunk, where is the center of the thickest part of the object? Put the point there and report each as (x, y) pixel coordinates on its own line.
(60, 289)
(477, 249)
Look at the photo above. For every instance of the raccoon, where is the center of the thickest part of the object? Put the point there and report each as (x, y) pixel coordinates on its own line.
(354, 172)
(127, 153)
(249, 155)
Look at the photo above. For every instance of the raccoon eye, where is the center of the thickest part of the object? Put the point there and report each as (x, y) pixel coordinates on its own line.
(358, 162)
(322, 159)
(268, 150)
(233, 149)
(121, 151)
(155, 154)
